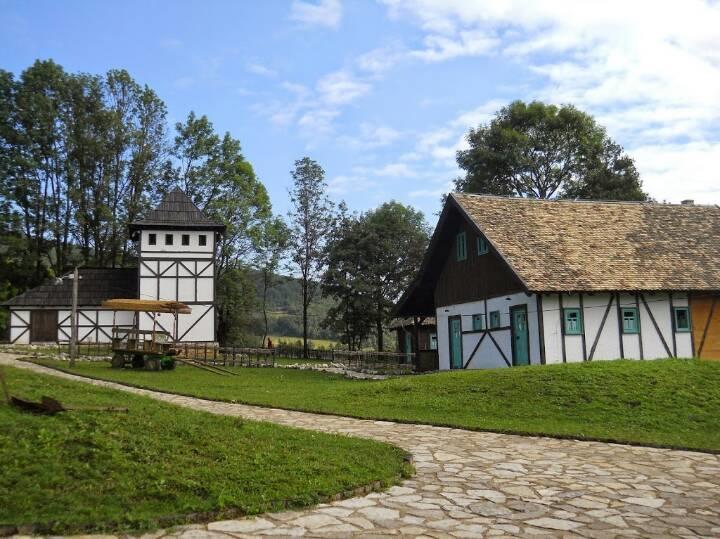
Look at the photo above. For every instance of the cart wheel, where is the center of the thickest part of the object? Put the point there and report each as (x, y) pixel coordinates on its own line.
(117, 361)
(138, 361)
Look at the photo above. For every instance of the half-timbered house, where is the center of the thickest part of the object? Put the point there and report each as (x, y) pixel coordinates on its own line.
(176, 246)
(513, 281)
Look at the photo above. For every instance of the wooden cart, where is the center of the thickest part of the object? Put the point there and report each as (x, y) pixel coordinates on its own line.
(151, 349)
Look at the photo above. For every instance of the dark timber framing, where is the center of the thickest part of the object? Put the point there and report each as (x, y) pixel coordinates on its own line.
(582, 313)
(600, 329)
(541, 327)
(472, 354)
(672, 323)
(621, 335)
(657, 328)
(639, 326)
(562, 326)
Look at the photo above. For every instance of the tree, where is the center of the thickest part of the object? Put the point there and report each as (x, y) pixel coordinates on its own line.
(311, 220)
(541, 151)
(235, 303)
(272, 246)
(371, 261)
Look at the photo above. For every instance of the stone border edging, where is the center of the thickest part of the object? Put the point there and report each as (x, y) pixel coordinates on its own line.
(396, 420)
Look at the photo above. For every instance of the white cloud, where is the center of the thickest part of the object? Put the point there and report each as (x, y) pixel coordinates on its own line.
(324, 13)
(397, 170)
(261, 70)
(377, 61)
(340, 88)
(340, 185)
(371, 136)
(471, 43)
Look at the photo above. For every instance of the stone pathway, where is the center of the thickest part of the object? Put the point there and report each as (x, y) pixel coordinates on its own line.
(474, 484)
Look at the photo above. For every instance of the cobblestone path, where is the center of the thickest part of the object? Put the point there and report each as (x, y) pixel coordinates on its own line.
(475, 484)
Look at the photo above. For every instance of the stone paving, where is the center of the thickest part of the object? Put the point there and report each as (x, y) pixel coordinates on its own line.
(475, 484)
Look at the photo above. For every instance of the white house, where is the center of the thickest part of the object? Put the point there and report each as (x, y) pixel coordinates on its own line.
(176, 261)
(514, 281)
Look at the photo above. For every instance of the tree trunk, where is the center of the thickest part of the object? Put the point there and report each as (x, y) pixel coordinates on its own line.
(264, 306)
(304, 317)
(380, 343)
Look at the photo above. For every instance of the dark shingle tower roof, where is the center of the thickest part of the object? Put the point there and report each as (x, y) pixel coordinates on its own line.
(177, 211)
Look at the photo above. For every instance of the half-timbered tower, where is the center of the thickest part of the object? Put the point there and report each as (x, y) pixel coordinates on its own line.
(176, 261)
(513, 281)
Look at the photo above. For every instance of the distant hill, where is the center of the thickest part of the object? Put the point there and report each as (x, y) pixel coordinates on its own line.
(285, 308)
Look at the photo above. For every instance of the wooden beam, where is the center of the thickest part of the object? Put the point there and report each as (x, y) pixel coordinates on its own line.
(582, 318)
(541, 327)
(472, 354)
(672, 323)
(639, 333)
(688, 295)
(620, 325)
(562, 327)
(657, 328)
(707, 326)
(600, 330)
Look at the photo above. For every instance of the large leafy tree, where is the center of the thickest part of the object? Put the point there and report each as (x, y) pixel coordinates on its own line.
(371, 260)
(544, 151)
(311, 220)
(271, 248)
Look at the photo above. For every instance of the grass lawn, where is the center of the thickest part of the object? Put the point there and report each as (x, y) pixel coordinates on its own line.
(671, 402)
(98, 471)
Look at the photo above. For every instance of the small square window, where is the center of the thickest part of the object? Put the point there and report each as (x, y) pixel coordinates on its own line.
(186, 239)
(152, 239)
(630, 320)
(482, 246)
(573, 322)
(461, 246)
(478, 322)
(494, 319)
(168, 239)
(682, 319)
(433, 341)
(202, 240)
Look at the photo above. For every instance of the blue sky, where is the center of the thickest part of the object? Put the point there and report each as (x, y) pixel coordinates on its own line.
(381, 93)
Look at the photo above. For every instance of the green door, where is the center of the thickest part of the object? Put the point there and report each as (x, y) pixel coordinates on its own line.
(455, 343)
(520, 335)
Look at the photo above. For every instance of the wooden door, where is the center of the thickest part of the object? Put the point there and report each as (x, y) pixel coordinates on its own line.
(455, 342)
(43, 326)
(705, 320)
(520, 335)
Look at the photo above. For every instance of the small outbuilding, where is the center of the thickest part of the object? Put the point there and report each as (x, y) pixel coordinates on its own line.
(516, 281)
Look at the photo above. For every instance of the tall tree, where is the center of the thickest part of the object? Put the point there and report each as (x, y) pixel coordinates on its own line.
(271, 248)
(542, 151)
(311, 220)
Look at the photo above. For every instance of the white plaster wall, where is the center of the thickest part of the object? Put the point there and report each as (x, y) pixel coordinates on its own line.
(194, 250)
(203, 331)
(88, 321)
(487, 356)
(205, 290)
(20, 326)
(608, 345)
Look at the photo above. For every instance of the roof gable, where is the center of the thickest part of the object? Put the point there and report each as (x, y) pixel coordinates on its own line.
(176, 211)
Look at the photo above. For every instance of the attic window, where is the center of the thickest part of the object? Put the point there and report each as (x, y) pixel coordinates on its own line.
(682, 319)
(202, 240)
(573, 322)
(482, 246)
(168, 239)
(152, 239)
(461, 246)
(186, 239)
(478, 322)
(494, 319)
(630, 320)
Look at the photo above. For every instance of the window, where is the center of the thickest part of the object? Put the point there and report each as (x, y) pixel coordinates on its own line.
(202, 240)
(152, 239)
(478, 322)
(461, 246)
(630, 320)
(682, 319)
(494, 319)
(573, 322)
(433, 341)
(168, 239)
(186, 239)
(482, 246)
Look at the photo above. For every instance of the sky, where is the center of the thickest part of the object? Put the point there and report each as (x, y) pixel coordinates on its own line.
(382, 93)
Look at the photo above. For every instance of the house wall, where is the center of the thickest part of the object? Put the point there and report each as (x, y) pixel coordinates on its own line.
(94, 325)
(179, 273)
(650, 343)
(488, 354)
(19, 326)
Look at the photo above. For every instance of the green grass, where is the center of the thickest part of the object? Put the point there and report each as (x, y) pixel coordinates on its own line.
(99, 471)
(672, 403)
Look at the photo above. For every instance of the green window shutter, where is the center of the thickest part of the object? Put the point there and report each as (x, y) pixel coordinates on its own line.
(630, 320)
(461, 246)
(682, 319)
(482, 246)
(572, 321)
(494, 319)
(478, 322)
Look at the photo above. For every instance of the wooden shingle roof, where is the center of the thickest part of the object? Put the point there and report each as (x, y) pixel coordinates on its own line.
(561, 245)
(95, 286)
(176, 211)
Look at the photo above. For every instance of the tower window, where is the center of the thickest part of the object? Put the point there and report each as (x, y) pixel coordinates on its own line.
(461, 246)
(494, 319)
(202, 240)
(168, 239)
(152, 239)
(186, 239)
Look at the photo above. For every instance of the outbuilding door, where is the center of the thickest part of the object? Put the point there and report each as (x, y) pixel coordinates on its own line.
(455, 342)
(43, 326)
(520, 335)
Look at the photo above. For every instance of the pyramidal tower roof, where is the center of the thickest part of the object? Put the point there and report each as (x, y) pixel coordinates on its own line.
(177, 211)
